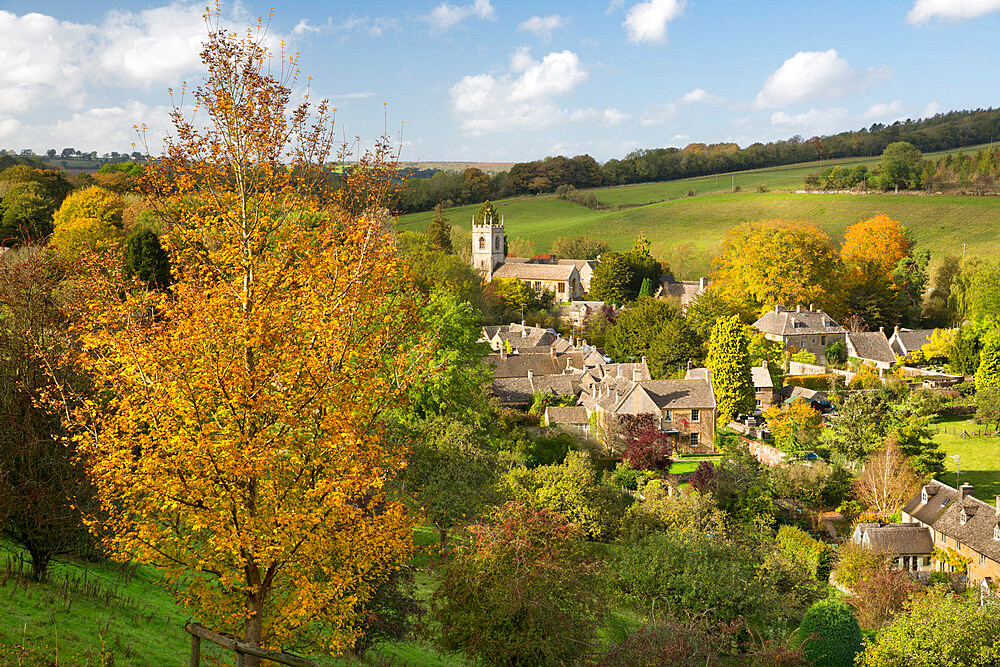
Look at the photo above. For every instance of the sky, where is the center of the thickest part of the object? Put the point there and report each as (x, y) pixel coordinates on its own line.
(507, 81)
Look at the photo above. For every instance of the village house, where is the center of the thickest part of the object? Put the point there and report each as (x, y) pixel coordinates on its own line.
(958, 523)
(566, 279)
(906, 341)
(685, 409)
(570, 418)
(801, 330)
(871, 347)
(685, 291)
(763, 387)
(909, 545)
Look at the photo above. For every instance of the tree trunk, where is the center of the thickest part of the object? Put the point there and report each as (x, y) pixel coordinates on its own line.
(39, 563)
(252, 634)
(443, 546)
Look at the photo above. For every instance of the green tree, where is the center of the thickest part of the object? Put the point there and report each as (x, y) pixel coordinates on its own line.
(654, 329)
(836, 352)
(475, 186)
(644, 266)
(580, 247)
(647, 288)
(487, 213)
(860, 425)
(988, 408)
(988, 373)
(900, 165)
(830, 634)
(910, 282)
(729, 361)
(938, 628)
(146, 260)
(612, 279)
(438, 232)
(26, 214)
(524, 591)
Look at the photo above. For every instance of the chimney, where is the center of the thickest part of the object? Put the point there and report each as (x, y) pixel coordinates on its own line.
(524, 323)
(812, 307)
(701, 284)
(503, 351)
(524, 333)
(530, 375)
(798, 308)
(552, 352)
(998, 505)
(636, 375)
(965, 491)
(895, 331)
(690, 364)
(763, 364)
(644, 360)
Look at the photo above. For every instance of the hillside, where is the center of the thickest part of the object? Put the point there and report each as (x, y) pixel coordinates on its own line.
(685, 229)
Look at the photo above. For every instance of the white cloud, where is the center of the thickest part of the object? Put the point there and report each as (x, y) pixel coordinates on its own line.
(925, 10)
(814, 75)
(647, 21)
(375, 26)
(519, 99)
(658, 114)
(886, 112)
(931, 109)
(614, 6)
(815, 121)
(610, 116)
(543, 26)
(699, 96)
(446, 16)
(100, 128)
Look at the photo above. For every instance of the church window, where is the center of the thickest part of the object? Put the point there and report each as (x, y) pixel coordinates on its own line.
(498, 243)
(482, 242)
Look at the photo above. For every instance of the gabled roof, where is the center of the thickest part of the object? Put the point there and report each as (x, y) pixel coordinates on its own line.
(576, 414)
(684, 290)
(512, 390)
(910, 340)
(781, 322)
(943, 512)
(518, 365)
(870, 346)
(658, 395)
(761, 378)
(529, 271)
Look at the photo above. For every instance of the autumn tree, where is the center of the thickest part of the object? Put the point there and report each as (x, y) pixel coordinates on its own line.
(88, 220)
(771, 262)
(729, 361)
(887, 480)
(795, 427)
(988, 373)
(438, 232)
(239, 442)
(874, 246)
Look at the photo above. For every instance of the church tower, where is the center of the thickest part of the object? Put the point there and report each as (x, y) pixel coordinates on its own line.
(488, 250)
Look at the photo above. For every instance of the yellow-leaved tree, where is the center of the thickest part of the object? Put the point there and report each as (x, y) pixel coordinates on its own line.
(237, 441)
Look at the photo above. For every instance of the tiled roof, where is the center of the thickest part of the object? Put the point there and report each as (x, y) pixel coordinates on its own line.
(781, 322)
(526, 271)
(912, 339)
(871, 345)
(977, 531)
(512, 391)
(576, 414)
(561, 385)
(667, 394)
(761, 378)
(518, 365)
(685, 290)
(939, 498)
(791, 392)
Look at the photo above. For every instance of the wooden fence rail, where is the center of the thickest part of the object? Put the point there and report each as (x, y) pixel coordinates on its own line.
(241, 649)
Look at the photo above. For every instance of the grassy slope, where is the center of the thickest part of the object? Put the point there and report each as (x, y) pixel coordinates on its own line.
(979, 455)
(943, 223)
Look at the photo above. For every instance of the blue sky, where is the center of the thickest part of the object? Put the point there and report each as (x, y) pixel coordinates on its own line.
(489, 80)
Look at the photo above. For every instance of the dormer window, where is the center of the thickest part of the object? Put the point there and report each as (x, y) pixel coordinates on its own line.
(799, 325)
(923, 496)
(996, 532)
(963, 517)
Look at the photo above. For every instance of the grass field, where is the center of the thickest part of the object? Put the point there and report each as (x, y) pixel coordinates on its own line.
(686, 230)
(979, 455)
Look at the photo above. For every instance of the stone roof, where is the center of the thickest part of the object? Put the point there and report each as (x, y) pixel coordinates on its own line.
(561, 385)
(530, 271)
(909, 340)
(576, 414)
(512, 390)
(903, 539)
(761, 377)
(657, 395)
(782, 322)
(518, 365)
(684, 290)
(943, 513)
(870, 346)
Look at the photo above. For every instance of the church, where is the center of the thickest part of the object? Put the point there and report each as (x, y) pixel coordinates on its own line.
(567, 279)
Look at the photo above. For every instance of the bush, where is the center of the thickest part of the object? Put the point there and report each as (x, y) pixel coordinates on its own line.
(836, 352)
(802, 550)
(524, 591)
(815, 382)
(659, 511)
(830, 634)
(543, 451)
(691, 193)
(762, 187)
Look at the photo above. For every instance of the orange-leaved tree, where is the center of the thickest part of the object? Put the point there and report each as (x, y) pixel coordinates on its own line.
(771, 262)
(237, 441)
(873, 247)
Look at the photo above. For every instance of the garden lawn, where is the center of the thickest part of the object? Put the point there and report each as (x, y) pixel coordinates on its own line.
(979, 455)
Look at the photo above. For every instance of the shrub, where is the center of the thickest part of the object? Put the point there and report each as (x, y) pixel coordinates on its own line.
(804, 357)
(691, 193)
(543, 451)
(880, 595)
(836, 352)
(762, 187)
(802, 550)
(830, 634)
(523, 592)
(658, 511)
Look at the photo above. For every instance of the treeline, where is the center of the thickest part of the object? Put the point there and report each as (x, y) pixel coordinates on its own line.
(943, 131)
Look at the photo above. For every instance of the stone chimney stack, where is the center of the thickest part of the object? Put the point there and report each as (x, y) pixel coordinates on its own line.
(778, 308)
(690, 364)
(965, 491)
(503, 351)
(812, 307)
(798, 308)
(763, 364)
(998, 505)
(701, 283)
(636, 375)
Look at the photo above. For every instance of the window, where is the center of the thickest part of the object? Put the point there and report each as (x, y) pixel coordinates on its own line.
(963, 517)
(497, 244)
(562, 287)
(759, 403)
(923, 496)
(799, 325)
(666, 416)
(822, 340)
(927, 561)
(694, 440)
(982, 560)
(482, 243)
(696, 415)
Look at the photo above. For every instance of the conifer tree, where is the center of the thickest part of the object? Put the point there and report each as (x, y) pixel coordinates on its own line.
(729, 361)
(438, 233)
(146, 260)
(988, 375)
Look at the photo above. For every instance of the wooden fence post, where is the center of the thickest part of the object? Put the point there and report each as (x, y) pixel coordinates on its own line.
(195, 660)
